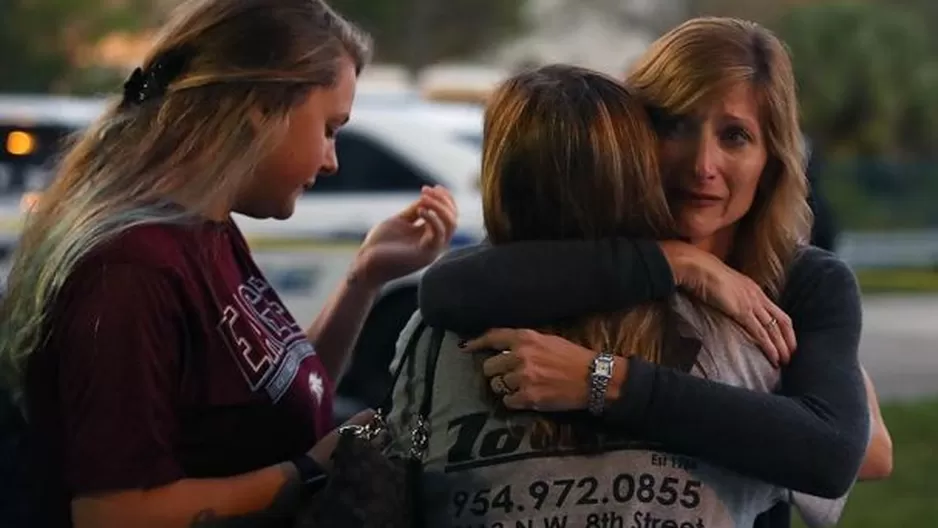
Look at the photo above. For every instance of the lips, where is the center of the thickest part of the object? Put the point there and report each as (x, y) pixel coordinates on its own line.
(699, 198)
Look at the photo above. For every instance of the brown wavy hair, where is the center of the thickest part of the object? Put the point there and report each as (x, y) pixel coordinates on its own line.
(569, 153)
(701, 59)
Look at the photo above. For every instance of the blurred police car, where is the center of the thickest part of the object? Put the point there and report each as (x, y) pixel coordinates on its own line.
(385, 154)
(33, 130)
(395, 143)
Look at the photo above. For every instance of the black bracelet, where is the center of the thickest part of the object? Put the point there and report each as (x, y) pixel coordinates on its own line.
(312, 476)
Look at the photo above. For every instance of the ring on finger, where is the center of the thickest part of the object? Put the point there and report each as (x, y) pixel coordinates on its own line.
(773, 322)
(500, 387)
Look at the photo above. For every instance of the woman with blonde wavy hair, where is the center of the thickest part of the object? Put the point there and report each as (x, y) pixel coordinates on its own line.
(721, 95)
(568, 154)
(163, 381)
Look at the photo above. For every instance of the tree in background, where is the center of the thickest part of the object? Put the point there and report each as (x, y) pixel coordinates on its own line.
(43, 42)
(419, 32)
(867, 78)
(43, 39)
(868, 75)
(925, 10)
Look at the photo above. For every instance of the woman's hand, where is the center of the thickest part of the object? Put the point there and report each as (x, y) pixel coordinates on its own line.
(540, 372)
(708, 278)
(322, 451)
(409, 240)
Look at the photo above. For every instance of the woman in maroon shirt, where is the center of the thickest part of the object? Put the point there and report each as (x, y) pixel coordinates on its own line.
(164, 382)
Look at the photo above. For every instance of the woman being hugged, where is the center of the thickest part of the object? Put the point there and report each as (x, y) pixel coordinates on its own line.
(163, 381)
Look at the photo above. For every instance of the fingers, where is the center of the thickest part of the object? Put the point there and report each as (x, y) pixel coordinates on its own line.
(517, 401)
(770, 323)
(412, 212)
(513, 380)
(767, 325)
(436, 236)
(761, 336)
(501, 386)
(500, 364)
(777, 325)
(439, 201)
(437, 210)
(363, 418)
(322, 451)
(443, 193)
(449, 198)
(785, 327)
(439, 195)
(509, 387)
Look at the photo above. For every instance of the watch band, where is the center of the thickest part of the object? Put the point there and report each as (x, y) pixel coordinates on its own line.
(312, 476)
(600, 374)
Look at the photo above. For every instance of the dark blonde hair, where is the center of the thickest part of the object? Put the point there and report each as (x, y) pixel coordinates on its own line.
(700, 60)
(569, 153)
(239, 68)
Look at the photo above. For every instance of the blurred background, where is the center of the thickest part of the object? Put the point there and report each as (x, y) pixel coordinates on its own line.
(868, 87)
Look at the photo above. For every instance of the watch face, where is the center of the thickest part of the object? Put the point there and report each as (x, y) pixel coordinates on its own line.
(604, 368)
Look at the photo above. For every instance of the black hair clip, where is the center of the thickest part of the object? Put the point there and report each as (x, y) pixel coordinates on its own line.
(152, 83)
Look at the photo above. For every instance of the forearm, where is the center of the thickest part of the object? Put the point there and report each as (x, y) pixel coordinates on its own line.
(336, 328)
(528, 284)
(811, 435)
(801, 443)
(267, 497)
(877, 464)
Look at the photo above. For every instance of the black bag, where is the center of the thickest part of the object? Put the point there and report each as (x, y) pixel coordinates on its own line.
(372, 485)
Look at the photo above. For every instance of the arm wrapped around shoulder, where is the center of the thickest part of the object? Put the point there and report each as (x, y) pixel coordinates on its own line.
(528, 284)
(811, 436)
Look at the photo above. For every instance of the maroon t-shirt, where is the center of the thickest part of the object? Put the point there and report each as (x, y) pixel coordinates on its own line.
(169, 357)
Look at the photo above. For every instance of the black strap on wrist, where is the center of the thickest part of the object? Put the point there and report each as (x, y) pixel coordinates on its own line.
(312, 476)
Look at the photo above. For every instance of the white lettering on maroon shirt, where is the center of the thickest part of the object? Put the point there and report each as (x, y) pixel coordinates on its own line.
(265, 341)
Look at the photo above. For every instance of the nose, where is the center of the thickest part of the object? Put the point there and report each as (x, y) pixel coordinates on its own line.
(330, 163)
(708, 156)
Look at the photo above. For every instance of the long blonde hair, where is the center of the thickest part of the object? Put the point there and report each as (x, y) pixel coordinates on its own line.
(700, 59)
(569, 153)
(246, 64)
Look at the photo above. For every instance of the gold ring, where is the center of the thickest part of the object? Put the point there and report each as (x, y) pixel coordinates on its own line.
(772, 323)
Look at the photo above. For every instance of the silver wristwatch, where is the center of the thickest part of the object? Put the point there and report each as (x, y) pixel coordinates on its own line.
(600, 374)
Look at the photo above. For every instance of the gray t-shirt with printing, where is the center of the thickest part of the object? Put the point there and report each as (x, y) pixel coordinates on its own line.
(486, 468)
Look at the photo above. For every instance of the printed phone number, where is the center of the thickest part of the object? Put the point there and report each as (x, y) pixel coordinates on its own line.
(562, 493)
